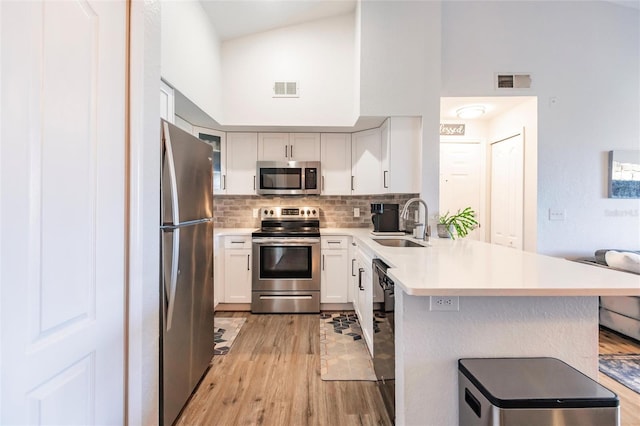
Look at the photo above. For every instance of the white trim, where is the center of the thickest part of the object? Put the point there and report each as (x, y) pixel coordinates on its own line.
(143, 327)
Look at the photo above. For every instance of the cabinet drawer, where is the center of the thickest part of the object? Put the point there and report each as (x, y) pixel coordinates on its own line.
(334, 243)
(237, 242)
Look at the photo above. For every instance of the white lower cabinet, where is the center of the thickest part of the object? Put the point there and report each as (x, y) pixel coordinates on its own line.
(237, 269)
(363, 301)
(334, 270)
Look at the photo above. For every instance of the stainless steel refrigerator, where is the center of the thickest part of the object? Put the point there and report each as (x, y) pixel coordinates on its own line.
(186, 285)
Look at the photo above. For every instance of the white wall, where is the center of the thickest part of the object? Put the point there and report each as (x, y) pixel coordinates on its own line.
(319, 55)
(509, 123)
(190, 52)
(584, 56)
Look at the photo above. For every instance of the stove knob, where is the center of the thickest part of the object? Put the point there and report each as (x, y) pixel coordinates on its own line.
(308, 212)
(314, 212)
(266, 211)
(271, 212)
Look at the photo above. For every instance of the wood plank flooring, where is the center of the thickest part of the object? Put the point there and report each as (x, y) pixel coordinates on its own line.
(612, 343)
(271, 376)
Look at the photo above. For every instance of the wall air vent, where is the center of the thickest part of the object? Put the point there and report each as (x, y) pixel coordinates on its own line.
(286, 89)
(513, 81)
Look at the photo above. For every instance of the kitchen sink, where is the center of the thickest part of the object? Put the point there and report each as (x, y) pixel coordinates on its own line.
(396, 242)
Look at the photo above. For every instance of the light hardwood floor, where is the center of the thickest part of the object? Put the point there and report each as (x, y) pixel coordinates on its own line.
(612, 343)
(271, 376)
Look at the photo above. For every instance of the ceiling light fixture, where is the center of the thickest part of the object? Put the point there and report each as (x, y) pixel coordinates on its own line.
(469, 112)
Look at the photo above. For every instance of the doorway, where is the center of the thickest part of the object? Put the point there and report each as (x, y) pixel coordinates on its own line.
(469, 177)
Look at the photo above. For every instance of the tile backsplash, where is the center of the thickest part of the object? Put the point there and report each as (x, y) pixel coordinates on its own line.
(236, 211)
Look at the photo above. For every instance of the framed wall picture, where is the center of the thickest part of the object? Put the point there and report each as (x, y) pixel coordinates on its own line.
(624, 174)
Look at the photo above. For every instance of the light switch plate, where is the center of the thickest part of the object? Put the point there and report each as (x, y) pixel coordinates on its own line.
(356, 212)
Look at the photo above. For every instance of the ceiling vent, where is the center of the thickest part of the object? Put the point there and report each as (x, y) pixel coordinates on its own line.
(513, 81)
(286, 89)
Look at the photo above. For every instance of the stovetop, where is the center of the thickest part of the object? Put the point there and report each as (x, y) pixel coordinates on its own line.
(289, 222)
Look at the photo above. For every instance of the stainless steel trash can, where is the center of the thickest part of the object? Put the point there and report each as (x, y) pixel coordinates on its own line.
(531, 391)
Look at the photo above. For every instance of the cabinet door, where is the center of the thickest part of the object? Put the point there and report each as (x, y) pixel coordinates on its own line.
(334, 278)
(304, 147)
(217, 140)
(274, 147)
(366, 162)
(241, 163)
(335, 157)
(401, 154)
(237, 276)
(167, 102)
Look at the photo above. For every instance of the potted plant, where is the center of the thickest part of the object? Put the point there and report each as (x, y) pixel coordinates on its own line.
(462, 221)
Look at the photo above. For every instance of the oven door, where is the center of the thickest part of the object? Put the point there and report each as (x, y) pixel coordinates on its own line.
(286, 264)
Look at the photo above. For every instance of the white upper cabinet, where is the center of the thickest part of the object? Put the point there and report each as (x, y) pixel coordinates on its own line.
(241, 163)
(401, 154)
(288, 146)
(167, 102)
(273, 147)
(335, 158)
(217, 140)
(305, 146)
(366, 162)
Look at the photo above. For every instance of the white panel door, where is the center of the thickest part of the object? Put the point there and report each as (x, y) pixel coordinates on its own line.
(304, 147)
(242, 152)
(335, 161)
(507, 192)
(460, 180)
(62, 149)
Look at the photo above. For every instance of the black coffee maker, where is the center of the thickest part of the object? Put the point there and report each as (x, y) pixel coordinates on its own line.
(385, 217)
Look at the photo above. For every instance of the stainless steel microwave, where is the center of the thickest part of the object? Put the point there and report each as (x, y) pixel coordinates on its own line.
(288, 177)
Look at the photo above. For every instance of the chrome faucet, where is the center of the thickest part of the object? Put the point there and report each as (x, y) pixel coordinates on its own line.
(405, 215)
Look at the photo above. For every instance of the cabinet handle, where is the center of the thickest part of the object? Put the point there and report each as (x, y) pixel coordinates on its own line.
(352, 188)
(291, 151)
(254, 183)
(323, 262)
(237, 242)
(322, 189)
(386, 172)
(353, 267)
(360, 271)
(334, 242)
(248, 262)
(224, 182)
(286, 152)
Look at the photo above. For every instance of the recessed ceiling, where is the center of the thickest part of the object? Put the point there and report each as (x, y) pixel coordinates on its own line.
(237, 18)
(494, 105)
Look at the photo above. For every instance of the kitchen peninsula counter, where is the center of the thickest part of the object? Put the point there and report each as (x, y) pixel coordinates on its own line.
(511, 304)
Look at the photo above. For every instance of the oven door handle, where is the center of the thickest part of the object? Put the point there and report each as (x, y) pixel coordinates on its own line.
(286, 241)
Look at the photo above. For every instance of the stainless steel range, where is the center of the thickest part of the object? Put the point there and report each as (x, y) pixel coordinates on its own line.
(286, 261)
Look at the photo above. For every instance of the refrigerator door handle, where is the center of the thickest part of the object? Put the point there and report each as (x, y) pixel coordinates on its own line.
(172, 175)
(173, 277)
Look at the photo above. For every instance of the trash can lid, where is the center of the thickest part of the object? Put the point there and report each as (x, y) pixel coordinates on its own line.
(535, 383)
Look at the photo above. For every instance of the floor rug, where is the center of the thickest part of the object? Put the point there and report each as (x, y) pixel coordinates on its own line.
(343, 351)
(225, 332)
(622, 368)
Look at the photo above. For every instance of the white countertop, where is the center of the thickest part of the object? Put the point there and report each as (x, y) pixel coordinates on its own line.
(466, 267)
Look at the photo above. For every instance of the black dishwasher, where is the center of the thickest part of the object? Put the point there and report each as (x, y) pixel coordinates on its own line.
(384, 356)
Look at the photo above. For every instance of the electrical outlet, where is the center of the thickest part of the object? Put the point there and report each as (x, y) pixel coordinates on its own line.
(356, 212)
(444, 303)
(255, 212)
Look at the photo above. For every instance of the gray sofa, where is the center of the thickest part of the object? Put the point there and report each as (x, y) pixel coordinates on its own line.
(618, 313)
